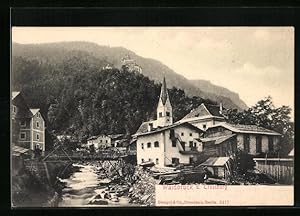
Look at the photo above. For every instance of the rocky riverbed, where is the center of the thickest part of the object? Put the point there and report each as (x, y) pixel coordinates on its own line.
(108, 184)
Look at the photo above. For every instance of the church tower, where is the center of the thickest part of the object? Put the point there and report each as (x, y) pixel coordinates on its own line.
(164, 107)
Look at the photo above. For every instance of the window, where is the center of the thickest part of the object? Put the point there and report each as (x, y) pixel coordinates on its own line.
(22, 135)
(150, 126)
(173, 143)
(37, 124)
(23, 123)
(150, 159)
(191, 144)
(247, 143)
(149, 145)
(175, 160)
(160, 114)
(156, 161)
(105, 141)
(38, 115)
(183, 145)
(258, 144)
(172, 133)
(204, 126)
(101, 141)
(156, 144)
(14, 109)
(191, 160)
(191, 134)
(270, 143)
(142, 145)
(182, 134)
(168, 114)
(143, 160)
(37, 136)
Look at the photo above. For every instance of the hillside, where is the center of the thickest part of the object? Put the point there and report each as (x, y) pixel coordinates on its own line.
(56, 53)
(218, 90)
(77, 97)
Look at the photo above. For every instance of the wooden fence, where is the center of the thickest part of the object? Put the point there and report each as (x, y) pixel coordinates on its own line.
(281, 169)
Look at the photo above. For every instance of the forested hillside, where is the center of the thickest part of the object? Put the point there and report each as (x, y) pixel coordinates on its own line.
(78, 97)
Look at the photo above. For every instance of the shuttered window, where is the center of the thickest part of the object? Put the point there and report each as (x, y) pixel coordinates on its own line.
(246, 142)
(258, 144)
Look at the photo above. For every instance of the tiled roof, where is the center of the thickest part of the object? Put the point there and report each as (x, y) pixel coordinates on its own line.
(217, 140)
(215, 161)
(159, 129)
(204, 110)
(112, 136)
(92, 137)
(240, 128)
(14, 94)
(143, 127)
(115, 136)
(18, 150)
(34, 111)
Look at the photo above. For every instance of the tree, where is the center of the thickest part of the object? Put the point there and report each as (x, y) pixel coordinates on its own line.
(81, 99)
(244, 161)
(266, 115)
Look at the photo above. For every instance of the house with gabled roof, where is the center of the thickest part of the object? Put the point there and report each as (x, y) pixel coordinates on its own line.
(28, 125)
(205, 116)
(223, 139)
(104, 141)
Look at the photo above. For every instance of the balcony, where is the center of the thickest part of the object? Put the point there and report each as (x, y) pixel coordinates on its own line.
(190, 150)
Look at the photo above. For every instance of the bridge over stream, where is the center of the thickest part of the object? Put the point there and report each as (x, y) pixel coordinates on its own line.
(108, 160)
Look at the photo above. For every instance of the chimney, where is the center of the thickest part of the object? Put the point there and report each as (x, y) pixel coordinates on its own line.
(221, 108)
(150, 126)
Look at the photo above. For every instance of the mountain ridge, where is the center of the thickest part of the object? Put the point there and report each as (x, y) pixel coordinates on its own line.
(152, 68)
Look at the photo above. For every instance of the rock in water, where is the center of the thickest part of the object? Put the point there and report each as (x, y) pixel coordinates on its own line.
(98, 202)
(115, 199)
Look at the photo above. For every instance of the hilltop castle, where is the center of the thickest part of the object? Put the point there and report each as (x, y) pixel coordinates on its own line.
(130, 64)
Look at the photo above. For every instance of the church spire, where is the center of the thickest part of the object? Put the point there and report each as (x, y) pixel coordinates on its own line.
(164, 107)
(164, 92)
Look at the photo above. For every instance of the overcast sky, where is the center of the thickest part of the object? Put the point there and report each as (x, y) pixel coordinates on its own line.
(253, 61)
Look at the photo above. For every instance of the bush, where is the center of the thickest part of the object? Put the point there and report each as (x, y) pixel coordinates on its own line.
(243, 162)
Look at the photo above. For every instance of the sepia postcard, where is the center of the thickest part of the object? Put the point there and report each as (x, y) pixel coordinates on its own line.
(152, 116)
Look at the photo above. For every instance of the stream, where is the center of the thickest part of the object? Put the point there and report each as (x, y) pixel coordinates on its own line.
(82, 186)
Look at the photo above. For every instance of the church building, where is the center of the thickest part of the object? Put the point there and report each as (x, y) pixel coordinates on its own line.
(163, 142)
(203, 131)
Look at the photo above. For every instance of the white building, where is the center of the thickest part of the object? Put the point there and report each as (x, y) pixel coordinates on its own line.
(166, 143)
(205, 116)
(104, 141)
